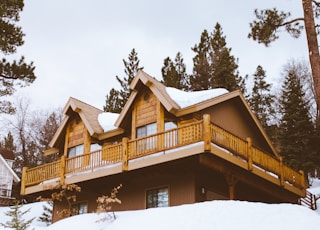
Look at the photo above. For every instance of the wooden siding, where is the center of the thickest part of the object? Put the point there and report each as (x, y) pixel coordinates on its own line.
(76, 132)
(146, 108)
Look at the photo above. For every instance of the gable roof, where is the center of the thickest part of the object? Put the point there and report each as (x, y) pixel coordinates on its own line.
(88, 114)
(8, 168)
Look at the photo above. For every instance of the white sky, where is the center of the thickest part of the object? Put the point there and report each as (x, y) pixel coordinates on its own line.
(78, 45)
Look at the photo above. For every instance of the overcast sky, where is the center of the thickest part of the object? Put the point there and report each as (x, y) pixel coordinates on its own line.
(77, 46)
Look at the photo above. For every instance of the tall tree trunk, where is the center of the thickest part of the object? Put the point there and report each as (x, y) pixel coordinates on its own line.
(313, 48)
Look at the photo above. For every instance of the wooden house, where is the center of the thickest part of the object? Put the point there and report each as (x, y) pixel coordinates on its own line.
(7, 177)
(166, 148)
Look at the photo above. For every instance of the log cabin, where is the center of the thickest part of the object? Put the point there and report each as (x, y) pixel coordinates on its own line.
(166, 147)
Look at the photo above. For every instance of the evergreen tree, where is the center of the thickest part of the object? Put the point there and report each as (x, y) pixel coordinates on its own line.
(296, 127)
(17, 222)
(46, 216)
(116, 99)
(270, 22)
(46, 134)
(225, 65)
(8, 143)
(174, 73)
(12, 73)
(214, 66)
(315, 150)
(261, 100)
(202, 67)
(113, 102)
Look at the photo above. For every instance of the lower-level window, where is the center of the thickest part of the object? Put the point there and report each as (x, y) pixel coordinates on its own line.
(158, 197)
(79, 208)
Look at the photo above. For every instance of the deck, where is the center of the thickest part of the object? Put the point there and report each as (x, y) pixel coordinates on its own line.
(196, 138)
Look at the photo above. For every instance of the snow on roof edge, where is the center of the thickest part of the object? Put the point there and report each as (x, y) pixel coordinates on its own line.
(185, 99)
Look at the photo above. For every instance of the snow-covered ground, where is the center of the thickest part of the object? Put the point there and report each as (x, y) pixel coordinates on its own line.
(218, 215)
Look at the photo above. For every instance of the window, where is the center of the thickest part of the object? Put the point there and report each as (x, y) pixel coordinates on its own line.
(148, 143)
(79, 208)
(75, 151)
(146, 130)
(158, 197)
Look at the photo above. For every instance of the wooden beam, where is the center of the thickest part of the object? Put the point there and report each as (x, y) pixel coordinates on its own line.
(231, 181)
(125, 154)
(206, 132)
(23, 181)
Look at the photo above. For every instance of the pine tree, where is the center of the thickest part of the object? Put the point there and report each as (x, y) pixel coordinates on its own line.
(296, 127)
(8, 143)
(202, 67)
(116, 99)
(270, 22)
(213, 65)
(12, 73)
(17, 221)
(225, 65)
(174, 73)
(113, 102)
(46, 216)
(261, 100)
(46, 134)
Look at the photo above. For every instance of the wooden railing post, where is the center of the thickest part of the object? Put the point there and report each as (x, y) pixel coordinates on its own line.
(281, 176)
(62, 169)
(206, 132)
(125, 154)
(23, 181)
(249, 153)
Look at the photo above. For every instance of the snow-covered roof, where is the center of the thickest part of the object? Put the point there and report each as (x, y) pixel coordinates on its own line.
(183, 99)
(107, 120)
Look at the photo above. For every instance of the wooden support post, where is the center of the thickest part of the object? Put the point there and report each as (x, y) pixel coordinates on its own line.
(23, 181)
(206, 132)
(62, 169)
(125, 154)
(249, 153)
(281, 176)
(232, 181)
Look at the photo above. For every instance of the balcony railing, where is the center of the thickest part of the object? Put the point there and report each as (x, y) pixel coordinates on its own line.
(196, 132)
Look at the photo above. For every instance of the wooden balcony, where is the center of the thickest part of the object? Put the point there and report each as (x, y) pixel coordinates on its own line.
(202, 135)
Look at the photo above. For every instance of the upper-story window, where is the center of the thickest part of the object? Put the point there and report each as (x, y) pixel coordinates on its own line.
(149, 143)
(75, 151)
(146, 130)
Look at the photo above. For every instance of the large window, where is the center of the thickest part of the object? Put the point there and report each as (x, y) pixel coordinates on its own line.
(158, 197)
